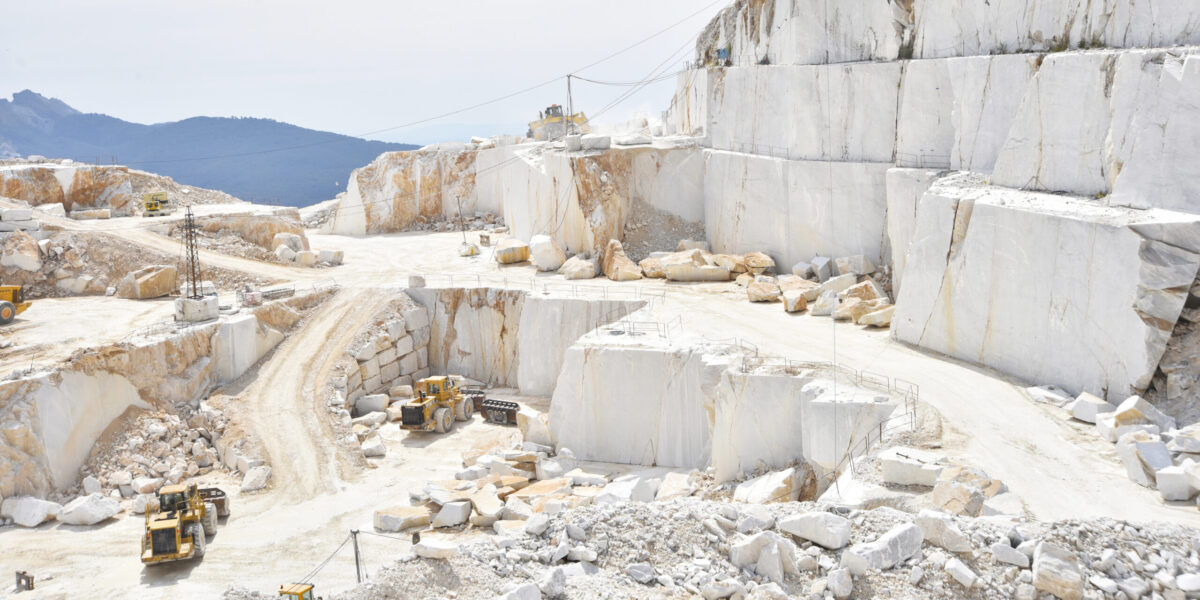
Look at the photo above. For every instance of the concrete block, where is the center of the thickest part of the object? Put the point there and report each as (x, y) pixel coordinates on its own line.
(195, 311)
(390, 372)
(409, 364)
(415, 318)
(403, 343)
(369, 368)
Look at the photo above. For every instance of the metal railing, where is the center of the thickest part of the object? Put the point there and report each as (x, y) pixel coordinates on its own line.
(922, 160)
(626, 326)
(531, 284)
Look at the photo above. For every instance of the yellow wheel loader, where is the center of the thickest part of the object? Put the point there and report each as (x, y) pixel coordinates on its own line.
(155, 204)
(436, 404)
(297, 591)
(12, 303)
(180, 527)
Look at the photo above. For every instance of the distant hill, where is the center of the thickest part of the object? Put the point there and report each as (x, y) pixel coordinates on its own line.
(263, 160)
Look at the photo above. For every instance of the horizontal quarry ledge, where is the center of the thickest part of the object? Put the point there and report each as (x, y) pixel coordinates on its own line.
(764, 153)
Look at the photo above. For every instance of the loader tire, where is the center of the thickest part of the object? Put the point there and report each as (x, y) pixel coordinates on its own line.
(210, 519)
(464, 410)
(198, 539)
(443, 420)
(8, 312)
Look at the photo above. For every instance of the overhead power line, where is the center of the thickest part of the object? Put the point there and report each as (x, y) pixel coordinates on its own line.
(435, 117)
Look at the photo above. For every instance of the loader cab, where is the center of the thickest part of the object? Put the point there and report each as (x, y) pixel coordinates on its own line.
(297, 591)
(553, 110)
(434, 387)
(173, 498)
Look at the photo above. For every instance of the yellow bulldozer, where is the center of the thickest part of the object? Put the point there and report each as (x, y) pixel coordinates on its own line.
(12, 303)
(436, 404)
(180, 527)
(553, 124)
(155, 204)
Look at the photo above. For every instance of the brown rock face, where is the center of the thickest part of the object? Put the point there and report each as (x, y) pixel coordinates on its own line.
(653, 268)
(92, 187)
(616, 265)
(763, 289)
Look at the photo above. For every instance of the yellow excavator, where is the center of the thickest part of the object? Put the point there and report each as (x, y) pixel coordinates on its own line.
(12, 303)
(552, 124)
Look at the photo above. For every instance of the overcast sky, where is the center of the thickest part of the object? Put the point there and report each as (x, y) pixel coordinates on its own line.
(349, 66)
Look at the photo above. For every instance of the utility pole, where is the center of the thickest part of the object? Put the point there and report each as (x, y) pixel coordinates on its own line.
(193, 263)
(357, 561)
(570, 107)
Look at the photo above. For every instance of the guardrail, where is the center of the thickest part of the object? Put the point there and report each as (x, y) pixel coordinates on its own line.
(531, 284)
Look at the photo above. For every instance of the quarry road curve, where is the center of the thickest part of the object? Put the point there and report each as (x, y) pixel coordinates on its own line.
(283, 409)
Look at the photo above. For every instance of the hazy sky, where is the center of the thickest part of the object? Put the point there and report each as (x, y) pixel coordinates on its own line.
(346, 66)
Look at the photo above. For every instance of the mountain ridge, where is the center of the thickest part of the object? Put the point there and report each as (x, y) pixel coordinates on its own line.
(255, 159)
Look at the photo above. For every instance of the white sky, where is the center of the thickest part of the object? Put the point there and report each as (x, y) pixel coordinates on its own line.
(349, 66)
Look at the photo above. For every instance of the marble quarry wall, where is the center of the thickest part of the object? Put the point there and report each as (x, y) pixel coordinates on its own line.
(76, 187)
(509, 338)
(53, 418)
(616, 403)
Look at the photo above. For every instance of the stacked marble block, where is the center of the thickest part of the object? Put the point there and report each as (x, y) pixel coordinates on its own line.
(398, 355)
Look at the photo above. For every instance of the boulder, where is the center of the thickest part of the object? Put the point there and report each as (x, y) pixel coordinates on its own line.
(909, 466)
(867, 290)
(880, 317)
(399, 518)
(1050, 394)
(1136, 410)
(1174, 483)
(854, 265)
(579, 267)
(939, 529)
(511, 251)
(802, 269)
(371, 403)
(596, 142)
(149, 282)
(840, 584)
(822, 268)
(1003, 504)
(1087, 407)
(642, 573)
(373, 447)
(90, 485)
(777, 486)
(1003, 552)
(28, 511)
(306, 258)
(897, 545)
(1143, 455)
(437, 548)
(547, 254)
(838, 284)
(143, 503)
(534, 426)
(292, 241)
(674, 485)
(146, 485)
(487, 505)
(854, 309)
(962, 491)
(21, 251)
(794, 301)
(332, 257)
(652, 268)
(825, 305)
(766, 553)
(822, 528)
(285, 253)
(763, 289)
(452, 514)
(1186, 439)
(256, 478)
(960, 572)
(700, 245)
(1056, 572)
(759, 263)
(734, 263)
(527, 591)
(616, 265)
(89, 510)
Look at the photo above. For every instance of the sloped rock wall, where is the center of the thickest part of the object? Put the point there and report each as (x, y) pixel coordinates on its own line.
(76, 187)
